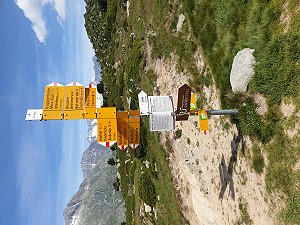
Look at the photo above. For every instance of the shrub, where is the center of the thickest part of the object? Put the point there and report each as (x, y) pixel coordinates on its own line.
(258, 162)
(111, 161)
(178, 134)
(147, 190)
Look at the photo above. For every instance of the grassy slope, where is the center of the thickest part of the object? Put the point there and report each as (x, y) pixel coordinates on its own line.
(220, 28)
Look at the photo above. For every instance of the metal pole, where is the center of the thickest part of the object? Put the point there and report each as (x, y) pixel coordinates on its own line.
(222, 112)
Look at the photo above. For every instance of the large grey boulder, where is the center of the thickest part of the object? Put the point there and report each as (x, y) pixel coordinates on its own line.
(242, 70)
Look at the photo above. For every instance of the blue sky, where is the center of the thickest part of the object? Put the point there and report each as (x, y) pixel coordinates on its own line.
(41, 41)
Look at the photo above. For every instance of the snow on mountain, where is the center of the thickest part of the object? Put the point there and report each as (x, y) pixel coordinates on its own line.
(92, 124)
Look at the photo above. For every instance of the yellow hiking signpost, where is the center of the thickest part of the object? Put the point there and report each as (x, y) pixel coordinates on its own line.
(134, 128)
(203, 120)
(53, 101)
(107, 126)
(90, 111)
(74, 101)
(123, 130)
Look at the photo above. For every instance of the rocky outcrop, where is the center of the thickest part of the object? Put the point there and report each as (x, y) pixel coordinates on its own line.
(242, 70)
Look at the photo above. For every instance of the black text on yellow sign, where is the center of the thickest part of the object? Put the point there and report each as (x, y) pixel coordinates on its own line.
(107, 131)
(53, 102)
(90, 103)
(74, 102)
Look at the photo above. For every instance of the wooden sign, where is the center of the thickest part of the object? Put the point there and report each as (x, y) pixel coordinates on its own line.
(183, 103)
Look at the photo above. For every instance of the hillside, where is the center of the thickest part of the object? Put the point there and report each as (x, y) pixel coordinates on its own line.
(156, 46)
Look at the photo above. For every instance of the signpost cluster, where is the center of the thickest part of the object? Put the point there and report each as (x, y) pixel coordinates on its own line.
(75, 102)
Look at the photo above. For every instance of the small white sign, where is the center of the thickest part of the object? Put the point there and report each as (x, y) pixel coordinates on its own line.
(34, 114)
(143, 103)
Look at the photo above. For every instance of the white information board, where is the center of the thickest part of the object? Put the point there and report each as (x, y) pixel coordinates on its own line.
(161, 109)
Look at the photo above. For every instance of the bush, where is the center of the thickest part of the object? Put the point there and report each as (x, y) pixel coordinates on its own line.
(292, 213)
(249, 120)
(111, 161)
(178, 134)
(147, 189)
(258, 162)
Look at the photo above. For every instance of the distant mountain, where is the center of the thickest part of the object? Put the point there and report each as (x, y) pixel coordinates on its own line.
(96, 202)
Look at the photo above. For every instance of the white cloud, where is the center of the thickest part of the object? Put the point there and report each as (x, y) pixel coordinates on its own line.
(33, 11)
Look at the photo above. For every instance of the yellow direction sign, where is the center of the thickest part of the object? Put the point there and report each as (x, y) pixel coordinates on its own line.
(134, 128)
(106, 112)
(74, 101)
(53, 101)
(107, 126)
(90, 111)
(193, 104)
(122, 129)
(203, 121)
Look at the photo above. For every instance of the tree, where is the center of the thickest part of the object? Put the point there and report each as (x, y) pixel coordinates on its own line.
(111, 161)
(100, 87)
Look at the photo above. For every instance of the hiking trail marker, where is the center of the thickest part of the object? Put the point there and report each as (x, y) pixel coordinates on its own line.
(203, 121)
(107, 126)
(74, 101)
(122, 129)
(54, 96)
(134, 128)
(90, 111)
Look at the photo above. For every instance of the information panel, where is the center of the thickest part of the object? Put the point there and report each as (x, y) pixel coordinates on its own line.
(74, 101)
(53, 101)
(162, 116)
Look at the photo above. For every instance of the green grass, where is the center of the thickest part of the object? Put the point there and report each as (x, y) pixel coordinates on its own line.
(258, 162)
(244, 214)
(220, 28)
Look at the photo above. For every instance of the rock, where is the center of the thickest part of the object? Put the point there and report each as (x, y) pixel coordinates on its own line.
(148, 208)
(242, 70)
(180, 22)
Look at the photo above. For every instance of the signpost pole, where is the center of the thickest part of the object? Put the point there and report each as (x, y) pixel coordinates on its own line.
(222, 112)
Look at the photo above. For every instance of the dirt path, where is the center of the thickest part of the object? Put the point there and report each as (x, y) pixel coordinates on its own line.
(198, 160)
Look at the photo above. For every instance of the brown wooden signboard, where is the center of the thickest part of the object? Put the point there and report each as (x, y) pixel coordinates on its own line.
(183, 103)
